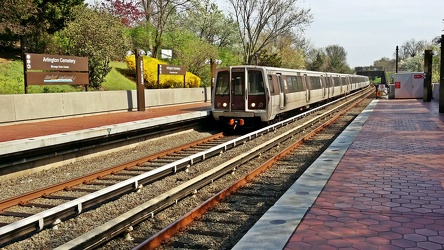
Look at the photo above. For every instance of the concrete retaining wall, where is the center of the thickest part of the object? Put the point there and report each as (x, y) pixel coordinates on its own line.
(24, 107)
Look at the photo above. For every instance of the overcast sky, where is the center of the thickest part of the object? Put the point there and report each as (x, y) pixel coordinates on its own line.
(371, 29)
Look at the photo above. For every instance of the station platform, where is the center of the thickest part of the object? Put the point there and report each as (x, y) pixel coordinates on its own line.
(33, 134)
(379, 185)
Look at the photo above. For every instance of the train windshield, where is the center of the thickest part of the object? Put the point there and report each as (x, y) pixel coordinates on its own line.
(255, 83)
(223, 83)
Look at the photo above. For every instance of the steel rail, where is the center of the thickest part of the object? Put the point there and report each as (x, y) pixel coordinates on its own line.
(121, 224)
(24, 198)
(47, 218)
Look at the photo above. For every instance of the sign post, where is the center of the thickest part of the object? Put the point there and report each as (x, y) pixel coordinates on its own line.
(139, 78)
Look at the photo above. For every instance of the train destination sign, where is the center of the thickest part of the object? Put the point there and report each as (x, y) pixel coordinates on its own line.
(56, 78)
(55, 62)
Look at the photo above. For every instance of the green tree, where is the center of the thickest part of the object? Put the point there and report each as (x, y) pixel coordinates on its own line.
(209, 23)
(96, 35)
(316, 60)
(141, 36)
(291, 51)
(337, 59)
(23, 20)
(192, 52)
(160, 14)
(387, 63)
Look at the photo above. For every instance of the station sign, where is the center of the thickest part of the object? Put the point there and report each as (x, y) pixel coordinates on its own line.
(55, 62)
(171, 70)
(163, 69)
(44, 69)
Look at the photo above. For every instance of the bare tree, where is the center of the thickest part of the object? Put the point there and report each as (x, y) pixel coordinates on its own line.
(261, 22)
(209, 23)
(159, 13)
(412, 48)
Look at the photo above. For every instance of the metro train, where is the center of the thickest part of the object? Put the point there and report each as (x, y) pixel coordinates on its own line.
(250, 96)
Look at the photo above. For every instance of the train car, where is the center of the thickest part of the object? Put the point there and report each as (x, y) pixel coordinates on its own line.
(249, 96)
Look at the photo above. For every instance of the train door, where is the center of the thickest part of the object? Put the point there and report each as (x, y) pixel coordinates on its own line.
(282, 97)
(256, 97)
(238, 97)
(327, 85)
(324, 85)
(307, 88)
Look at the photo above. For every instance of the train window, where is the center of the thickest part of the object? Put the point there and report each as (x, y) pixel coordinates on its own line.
(255, 83)
(315, 82)
(270, 84)
(290, 83)
(336, 81)
(327, 81)
(223, 83)
(297, 83)
(344, 81)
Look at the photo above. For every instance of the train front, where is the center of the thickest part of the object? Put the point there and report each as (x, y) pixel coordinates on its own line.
(240, 96)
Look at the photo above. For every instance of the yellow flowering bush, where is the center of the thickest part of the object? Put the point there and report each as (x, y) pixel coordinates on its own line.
(166, 81)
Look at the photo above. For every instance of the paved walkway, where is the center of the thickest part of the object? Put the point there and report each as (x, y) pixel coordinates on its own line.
(387, 192)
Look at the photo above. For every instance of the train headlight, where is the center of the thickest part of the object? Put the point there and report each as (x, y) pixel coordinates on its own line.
(253, 104)
(218, 104)
(224, 104)
(261, 105)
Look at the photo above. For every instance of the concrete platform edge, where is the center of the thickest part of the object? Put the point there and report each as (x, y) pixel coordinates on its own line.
(55, 139)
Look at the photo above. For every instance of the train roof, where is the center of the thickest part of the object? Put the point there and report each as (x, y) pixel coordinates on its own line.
(303, 71)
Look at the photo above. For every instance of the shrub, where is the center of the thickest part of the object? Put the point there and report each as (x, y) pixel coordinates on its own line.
(166, 81)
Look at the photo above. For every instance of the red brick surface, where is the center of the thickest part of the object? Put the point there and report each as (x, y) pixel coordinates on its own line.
(388, 190)
(55, 126)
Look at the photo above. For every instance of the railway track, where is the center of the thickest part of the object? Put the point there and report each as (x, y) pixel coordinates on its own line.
(228, 219)
(188, 185)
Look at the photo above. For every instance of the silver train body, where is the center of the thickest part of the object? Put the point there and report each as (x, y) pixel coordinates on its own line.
(248, 95)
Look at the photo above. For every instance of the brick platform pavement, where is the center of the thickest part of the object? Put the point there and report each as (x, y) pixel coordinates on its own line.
(9, 132)
(388, 190)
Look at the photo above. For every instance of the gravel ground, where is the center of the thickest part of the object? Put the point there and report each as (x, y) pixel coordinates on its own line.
(19, 185)
(70, 229)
